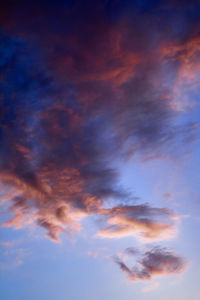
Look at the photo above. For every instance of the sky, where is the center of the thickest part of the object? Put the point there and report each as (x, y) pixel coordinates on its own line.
(99, 150)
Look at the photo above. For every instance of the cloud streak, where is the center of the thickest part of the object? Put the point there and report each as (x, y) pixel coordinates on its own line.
(138, 220)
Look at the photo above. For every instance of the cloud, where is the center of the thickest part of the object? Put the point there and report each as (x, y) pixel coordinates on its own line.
(186, 57)
(92, 253)
(151, 287)
(131, 251)
(156, 262)
(7, 243)
(81, 89)
(137, 220)
(12, 256)
(16, 221)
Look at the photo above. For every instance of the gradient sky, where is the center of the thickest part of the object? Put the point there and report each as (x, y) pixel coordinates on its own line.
(99, 150)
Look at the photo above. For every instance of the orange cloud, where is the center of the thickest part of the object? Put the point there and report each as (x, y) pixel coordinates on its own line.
(138, 221)
(16, 222)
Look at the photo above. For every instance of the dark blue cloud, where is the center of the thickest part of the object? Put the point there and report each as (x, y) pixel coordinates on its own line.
(82, 84)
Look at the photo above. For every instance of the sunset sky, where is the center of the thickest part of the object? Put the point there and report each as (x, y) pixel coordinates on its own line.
(100, 150)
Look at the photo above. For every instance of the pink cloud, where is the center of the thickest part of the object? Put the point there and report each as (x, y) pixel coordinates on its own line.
(141, 221)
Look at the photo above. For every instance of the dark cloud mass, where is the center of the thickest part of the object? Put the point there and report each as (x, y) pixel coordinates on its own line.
(85, 83)
(156, 262)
